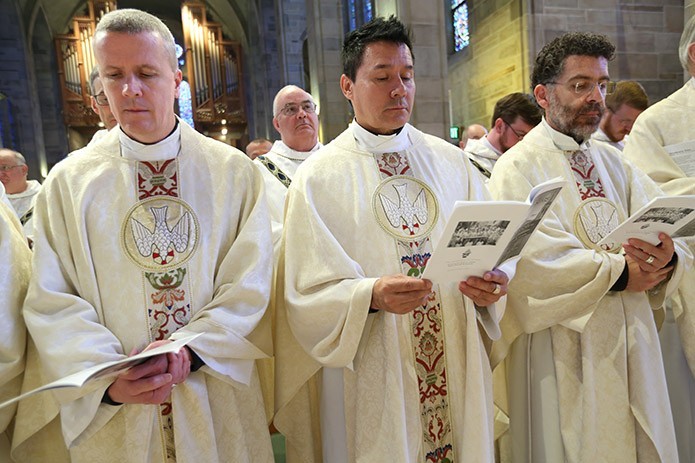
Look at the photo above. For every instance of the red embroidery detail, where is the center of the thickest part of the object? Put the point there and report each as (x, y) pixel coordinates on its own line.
(586, 176)
(157, 178)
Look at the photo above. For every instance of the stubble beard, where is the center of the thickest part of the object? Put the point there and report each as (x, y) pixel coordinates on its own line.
(565, 118)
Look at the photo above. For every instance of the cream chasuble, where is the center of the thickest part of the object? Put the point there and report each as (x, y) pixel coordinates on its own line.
(14, 278)
(658, 147)
(143, 242)
(585, 382)
(277, 167)
(338, 240)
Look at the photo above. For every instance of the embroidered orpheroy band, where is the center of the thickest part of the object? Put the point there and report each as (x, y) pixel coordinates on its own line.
(407, 209)
(275, 170)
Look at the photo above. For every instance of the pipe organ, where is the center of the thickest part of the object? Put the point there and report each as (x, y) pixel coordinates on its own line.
(213, 70)
(75, 63)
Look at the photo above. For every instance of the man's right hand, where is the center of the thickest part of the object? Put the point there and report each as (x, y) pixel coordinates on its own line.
(147, 383)
(639, 280)
(400, 294)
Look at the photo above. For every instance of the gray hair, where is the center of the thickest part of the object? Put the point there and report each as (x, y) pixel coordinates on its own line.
(18, 156)
(93, 76)
(132, 21)
(283, 90)
(687, 38)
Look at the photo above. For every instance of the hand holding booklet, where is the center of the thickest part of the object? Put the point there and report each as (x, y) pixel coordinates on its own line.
(107, 369)
(673, 215)
(480, 235)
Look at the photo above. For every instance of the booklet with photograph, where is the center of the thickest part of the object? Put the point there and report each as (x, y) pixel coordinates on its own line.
(673, 215)
(480, 235)
(106, 369)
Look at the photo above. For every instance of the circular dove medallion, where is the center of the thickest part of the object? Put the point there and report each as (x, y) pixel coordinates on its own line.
(405, 207)
(594, 219)
(160, 233)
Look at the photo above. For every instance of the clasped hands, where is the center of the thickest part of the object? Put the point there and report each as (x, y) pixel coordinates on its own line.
(647, 263)
(401, 294)
(151, 382)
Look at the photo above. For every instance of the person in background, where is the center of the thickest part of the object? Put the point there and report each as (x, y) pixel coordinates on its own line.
(257, 147)
(622, 108)
(662, 144)
(513, 117)
(20, 191)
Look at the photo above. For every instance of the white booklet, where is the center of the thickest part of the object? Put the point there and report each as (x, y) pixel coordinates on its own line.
(480, 235)
(106, 369)
(673, 215)
(683, 154)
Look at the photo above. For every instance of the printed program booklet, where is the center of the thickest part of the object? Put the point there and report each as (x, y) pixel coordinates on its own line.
(106, 369)
(480, 235)
(673, 215)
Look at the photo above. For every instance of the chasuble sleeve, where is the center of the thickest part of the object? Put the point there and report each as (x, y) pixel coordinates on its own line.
(558, 281)
(14, 278)
(236, 332)
(327, 293)
(646, 149)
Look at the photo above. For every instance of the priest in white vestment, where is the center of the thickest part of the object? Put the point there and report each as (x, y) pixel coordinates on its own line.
(662, 144)
(152, 234)
(512, 118)
(20, 192)
(14, 278)
(585, 378)
(373, 362)
(296, 119)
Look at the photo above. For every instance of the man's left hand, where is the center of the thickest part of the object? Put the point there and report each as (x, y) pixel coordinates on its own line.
(486, 290)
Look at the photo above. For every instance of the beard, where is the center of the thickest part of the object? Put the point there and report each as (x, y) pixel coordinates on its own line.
(566, 119)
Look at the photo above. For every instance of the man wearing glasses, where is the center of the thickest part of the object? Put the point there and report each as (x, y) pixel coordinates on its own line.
(100, 105)
(20, 191)
(296, 118)
(513, 117)
(584, 364)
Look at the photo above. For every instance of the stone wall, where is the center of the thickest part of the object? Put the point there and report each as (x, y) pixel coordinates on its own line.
(493, 65)
(645, 33)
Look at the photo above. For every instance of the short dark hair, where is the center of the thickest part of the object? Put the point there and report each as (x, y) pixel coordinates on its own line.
(630, 93)
(514, 105)
(550, 61)
(377, 30)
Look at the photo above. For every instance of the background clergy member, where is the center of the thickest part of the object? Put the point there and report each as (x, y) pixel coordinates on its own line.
(662, 144)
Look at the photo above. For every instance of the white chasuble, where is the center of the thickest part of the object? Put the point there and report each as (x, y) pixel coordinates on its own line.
(662, 144)
(14, 279)
(339, 238)
(277, 167)
(585, 377)
(143, 242)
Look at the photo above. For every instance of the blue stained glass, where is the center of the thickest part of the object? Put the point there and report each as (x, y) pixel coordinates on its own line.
(368, 10)
(352, 15)
(185, 106)
(462, 36)
(455, 3)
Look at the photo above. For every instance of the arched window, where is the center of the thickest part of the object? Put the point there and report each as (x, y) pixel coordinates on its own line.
(460, 26)
(356, 13)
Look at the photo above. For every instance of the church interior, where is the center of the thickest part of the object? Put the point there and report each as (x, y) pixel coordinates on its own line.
(236, 54)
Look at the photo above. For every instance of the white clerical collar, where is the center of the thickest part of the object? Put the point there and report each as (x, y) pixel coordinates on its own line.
(692, 82)
(161, 151)
(491, 147)
(562, 141)
(280, 148)
(371, 143)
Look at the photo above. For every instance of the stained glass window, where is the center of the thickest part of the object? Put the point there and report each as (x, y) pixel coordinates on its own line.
(185, 106)
(459, 13)
(357, 12)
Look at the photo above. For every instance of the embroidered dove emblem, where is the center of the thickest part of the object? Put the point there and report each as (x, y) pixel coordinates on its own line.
(408, 214)
(162, 236)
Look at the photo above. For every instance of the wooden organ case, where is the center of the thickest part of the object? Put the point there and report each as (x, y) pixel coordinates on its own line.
(213, 69)
(75, 63)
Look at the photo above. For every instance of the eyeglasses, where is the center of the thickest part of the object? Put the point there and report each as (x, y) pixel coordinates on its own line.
(6, 168)
(292, 109)
(520, 136)
(101, 99)
(584, 87)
